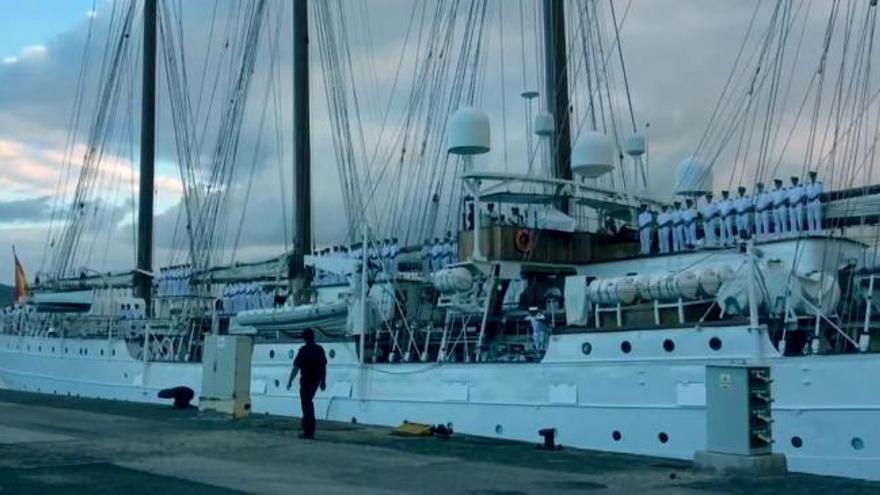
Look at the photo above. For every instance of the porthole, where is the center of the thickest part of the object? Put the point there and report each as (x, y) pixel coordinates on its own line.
(354, 420)
(663, 437)
(332, 353)
(112, 352)
(499, 429)
(626, 347)
(857, 443)
(616, 435)
(797, 442)
(668, 345)
(715, 343)
(85, 352)
(586, 348)
(28, 347)
(277, 383)
(53, 348)
(102, 352)
(272, 354)
(290, 354)
(39, 348)
(65, 350)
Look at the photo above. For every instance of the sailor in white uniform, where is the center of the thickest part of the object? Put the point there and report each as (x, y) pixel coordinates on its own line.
(744, 209)
(814, 190)
(689, 218)
(664, 224)
(268, 298)
(646, 223)
(780, 207)
(727, 210)
(796, 199)
(677, 227)
(710, 213)
(539, 329)
(763, 206)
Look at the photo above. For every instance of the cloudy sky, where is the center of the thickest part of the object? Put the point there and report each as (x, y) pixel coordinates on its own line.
(678, 57)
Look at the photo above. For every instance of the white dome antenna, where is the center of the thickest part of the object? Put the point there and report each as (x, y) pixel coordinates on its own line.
(544, 125)
(635, 145)
(469, 132)
(593, 155)
(692, 178)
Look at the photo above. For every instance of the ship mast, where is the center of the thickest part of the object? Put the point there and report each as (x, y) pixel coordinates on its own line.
(302, 229)
(556, 72)
(143, 282)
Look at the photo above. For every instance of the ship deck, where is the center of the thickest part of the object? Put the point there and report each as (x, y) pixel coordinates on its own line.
(51, 444)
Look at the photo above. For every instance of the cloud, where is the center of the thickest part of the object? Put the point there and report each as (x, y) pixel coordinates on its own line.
(27, 54)
(26, 210)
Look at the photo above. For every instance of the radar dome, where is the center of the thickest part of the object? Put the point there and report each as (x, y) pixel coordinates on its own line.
(692, 178)
(469, 132)
(544, 125)
(593, 155)
(635, 145)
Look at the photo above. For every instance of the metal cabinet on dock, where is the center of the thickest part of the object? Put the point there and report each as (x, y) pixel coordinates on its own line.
(226, 374)
(738, 412)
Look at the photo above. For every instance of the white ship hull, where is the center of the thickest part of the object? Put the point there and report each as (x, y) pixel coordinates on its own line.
(830, 403)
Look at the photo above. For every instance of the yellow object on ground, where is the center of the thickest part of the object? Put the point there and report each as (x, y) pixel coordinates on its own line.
(413, 430)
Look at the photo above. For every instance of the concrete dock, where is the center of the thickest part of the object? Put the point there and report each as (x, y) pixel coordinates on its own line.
(54, 444)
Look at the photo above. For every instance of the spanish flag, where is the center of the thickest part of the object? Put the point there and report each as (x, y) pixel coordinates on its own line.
(20, 278)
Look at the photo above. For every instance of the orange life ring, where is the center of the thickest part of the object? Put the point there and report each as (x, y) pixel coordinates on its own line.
(524, 241)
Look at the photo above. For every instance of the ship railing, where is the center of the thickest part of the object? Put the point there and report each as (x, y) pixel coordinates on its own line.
(458, 331)
(865, 336)
(657, 307)
(156, 345)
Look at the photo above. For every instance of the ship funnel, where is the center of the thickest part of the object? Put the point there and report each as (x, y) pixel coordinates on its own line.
(593, 155)
(692, 178)
(469, 132)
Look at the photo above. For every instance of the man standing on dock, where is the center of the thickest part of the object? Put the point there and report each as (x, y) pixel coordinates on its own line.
(312, 362)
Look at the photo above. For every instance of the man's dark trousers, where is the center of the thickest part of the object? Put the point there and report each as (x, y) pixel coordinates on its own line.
(307, 392)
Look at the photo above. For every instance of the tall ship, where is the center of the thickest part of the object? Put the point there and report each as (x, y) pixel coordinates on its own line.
(565, 294)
